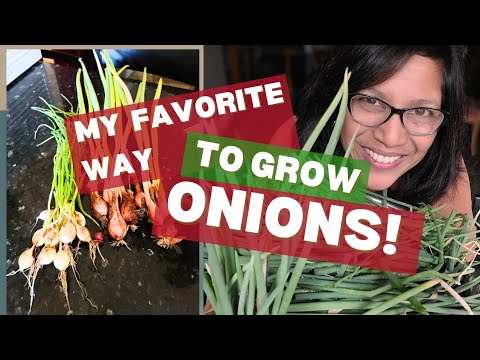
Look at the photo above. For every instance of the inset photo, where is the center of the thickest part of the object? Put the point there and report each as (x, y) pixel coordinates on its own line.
(410, 115)
(72, 253)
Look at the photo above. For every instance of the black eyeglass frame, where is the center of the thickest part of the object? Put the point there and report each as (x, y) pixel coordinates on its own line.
(400, 112)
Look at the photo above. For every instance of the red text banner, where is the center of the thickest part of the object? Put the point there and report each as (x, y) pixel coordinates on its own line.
(146, 141)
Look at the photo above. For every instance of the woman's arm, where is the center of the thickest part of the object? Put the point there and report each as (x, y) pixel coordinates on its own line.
(458, 197)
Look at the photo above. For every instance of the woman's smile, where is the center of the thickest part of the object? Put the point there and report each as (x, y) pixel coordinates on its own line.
(382, 159)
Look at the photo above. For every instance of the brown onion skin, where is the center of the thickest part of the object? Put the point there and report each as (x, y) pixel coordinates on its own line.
(98, 205)
(117, 227)
(139, 197)
(128, 211)
(108, 195)
(151, 205)
(128, 207)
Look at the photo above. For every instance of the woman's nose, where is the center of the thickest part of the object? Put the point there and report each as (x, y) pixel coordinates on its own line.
(392, 133)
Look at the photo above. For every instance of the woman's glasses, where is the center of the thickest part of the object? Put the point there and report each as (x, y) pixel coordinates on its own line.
(370, 111)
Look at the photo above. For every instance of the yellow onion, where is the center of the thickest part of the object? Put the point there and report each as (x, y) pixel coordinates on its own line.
(83, 233)
(38, 238)
(54, 241)
(26, 259)
(80, 218)
(45, 214)
(46, 256)
(50, 236)
(61, 260)
(67, 232)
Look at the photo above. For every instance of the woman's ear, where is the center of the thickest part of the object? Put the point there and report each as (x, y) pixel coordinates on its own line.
(295, 118)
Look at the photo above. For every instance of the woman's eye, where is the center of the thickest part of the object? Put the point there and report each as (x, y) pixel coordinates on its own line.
(422, 112)
(372, 100)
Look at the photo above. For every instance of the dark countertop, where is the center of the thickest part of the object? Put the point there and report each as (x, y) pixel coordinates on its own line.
(144, 280)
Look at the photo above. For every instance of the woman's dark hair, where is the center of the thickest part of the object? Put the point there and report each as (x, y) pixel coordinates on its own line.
(373, 64)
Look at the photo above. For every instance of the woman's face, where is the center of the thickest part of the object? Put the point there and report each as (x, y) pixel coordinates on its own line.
(390, 149)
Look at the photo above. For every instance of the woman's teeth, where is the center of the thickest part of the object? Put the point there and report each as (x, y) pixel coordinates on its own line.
(381, 158)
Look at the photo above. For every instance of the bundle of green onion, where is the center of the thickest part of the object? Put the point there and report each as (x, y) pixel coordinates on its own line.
(239, 281)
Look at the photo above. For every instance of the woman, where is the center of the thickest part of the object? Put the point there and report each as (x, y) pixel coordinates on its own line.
(409, 104)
